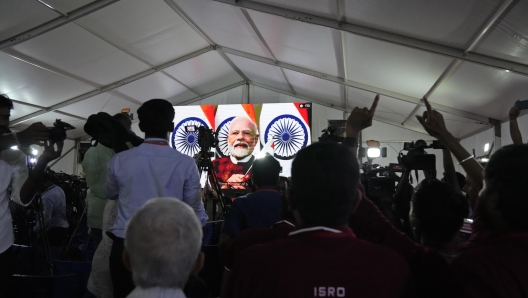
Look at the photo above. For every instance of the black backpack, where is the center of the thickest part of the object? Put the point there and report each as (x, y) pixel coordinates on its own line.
(104, 129)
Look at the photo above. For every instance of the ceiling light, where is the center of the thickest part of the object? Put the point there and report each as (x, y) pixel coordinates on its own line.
(14, 147)
(34, 151)
(486, 147)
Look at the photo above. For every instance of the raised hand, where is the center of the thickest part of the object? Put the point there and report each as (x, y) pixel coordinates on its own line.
(35, 134)
(50, 153)
(433, 122)
(360, 119)
(514, 113)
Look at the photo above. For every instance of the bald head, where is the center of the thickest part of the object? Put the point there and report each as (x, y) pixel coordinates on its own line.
(243, 137)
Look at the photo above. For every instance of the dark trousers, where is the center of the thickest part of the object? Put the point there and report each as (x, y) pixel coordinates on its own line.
(6, 267)
(121, 277)
(57, 236)
(97, 237)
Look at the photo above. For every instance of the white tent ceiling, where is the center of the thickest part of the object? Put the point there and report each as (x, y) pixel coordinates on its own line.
(69, 59)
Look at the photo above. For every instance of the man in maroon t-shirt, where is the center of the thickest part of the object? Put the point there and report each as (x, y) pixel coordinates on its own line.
(323, 258)
(498, 267)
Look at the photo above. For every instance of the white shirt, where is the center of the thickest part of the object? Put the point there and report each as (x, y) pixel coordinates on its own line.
(156, 293)
(53, 208)
(13, 173)
(151, 171)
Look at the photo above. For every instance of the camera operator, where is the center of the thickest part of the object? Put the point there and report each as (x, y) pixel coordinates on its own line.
(150, 170)
(16, 182)
(53, 206)
(95, 165)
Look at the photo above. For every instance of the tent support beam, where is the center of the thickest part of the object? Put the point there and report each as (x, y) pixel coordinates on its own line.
(263, 41)
(200, 32)
(382, 36)
(456, 63)
(341, 17)
(112, 86)
(55, 23)
(40, 64)
(129, 53)
(415, 129)
(353, 84)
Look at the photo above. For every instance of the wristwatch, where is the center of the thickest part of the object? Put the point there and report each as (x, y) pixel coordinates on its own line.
(350, 142)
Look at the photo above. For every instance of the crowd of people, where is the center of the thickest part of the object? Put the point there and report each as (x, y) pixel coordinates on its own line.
(316, 234)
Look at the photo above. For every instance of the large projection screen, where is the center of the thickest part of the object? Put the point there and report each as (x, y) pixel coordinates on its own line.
(282, 129)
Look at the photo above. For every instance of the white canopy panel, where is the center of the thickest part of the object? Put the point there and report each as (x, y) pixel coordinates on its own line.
(17, 16)
(148, 29)
(77, 51)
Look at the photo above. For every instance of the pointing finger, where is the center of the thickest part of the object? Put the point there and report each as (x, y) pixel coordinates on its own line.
(428, 105)
(374, 105)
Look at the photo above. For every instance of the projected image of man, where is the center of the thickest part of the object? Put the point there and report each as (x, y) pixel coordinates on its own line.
(233, 170)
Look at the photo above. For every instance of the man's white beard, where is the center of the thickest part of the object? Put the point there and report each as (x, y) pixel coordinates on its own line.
(239, 152)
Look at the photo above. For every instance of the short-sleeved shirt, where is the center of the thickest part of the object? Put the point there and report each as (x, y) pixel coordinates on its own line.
(13, 174)
(319, 262)
(95, 166)
(151, 170)
(251, 237)
(260, 209)
(53, 208)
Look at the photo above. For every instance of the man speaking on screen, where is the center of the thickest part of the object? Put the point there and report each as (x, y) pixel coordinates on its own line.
(233, 171)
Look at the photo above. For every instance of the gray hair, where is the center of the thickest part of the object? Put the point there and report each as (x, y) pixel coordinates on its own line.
(163, 239)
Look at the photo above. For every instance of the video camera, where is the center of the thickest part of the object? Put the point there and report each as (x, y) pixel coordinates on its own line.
(206, 138)
(419, 160)
(58, 131)
(330, 135)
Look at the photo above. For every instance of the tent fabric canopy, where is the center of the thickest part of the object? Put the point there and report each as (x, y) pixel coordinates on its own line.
(69, 59)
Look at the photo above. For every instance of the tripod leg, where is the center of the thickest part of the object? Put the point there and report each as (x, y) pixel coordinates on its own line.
(44, 236)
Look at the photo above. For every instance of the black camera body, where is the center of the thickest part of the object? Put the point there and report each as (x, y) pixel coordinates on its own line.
(421, 160)
(58, 131)
(206, 138)
(381, 187)
(330, 135)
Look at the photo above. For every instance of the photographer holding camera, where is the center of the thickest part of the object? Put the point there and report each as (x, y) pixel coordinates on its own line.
(16, 182)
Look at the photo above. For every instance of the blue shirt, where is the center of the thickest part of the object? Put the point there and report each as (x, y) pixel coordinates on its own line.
(260, 209)
(53, 209)
(151, 171)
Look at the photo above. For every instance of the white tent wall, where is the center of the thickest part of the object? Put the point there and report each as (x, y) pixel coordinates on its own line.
(478, 141)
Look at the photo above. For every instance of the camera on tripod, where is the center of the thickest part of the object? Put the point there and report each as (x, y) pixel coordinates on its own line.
(419, 159)
(206, 138)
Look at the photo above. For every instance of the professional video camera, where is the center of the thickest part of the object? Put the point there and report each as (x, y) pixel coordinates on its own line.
(330, 135)
(106, 130)
(207, 139)
(58, 131)
(419, 159)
